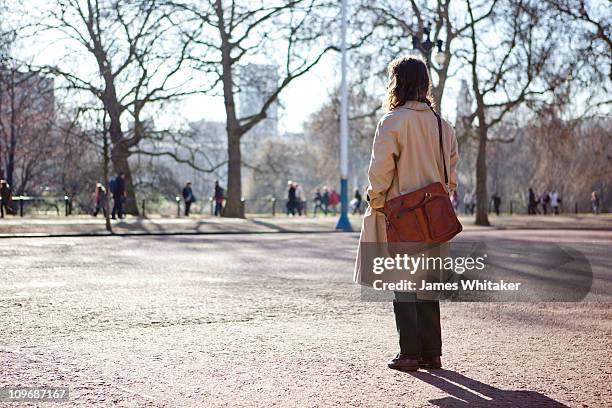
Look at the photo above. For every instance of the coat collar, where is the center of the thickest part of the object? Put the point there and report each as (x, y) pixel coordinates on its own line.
(415, 105)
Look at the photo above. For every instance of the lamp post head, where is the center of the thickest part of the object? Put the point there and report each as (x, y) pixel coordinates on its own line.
(440, 57)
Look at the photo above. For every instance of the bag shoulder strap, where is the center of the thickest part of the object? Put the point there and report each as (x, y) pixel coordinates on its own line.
(441, 145)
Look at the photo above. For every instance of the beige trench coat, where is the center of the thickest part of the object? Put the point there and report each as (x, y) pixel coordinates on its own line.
(405, 157)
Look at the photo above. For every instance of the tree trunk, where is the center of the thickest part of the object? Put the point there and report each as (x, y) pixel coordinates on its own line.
(106, 178)
(436, 93)
(12, 147)
(233, 206)
(482, 216)
(119, 158)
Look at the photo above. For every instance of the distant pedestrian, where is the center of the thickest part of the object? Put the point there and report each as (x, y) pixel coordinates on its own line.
(357, 200)
(299, 199)
(291, 198)
(467, 201)
(334, 200)
(555, 200)
(318, 203)
(117, 189)
(595, 202)
(188, 197)
(100, 200)
(545, 201)
(496, 199)
(532, 202)
(219, 197)
(6, 195)
(473, 202)
(325, 200)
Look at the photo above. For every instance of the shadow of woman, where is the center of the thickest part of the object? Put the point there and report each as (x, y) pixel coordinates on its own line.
(467, 392)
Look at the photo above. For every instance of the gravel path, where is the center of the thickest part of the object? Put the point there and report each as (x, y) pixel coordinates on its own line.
(273, 320)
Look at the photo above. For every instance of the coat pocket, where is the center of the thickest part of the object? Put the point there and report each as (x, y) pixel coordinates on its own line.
(407, 226)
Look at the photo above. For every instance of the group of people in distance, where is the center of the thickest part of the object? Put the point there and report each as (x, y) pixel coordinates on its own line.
(189, 198)
(117, 188)
(543, 200)
(296, 202)
(325, 201)
(469, 202)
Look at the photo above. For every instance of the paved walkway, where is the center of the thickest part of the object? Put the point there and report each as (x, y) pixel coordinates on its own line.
(85, 225)
(274, 321)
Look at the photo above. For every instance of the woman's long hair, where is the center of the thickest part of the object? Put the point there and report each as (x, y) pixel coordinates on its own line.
(408, 81)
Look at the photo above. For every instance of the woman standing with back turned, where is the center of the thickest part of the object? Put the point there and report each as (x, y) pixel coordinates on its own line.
(405, 157)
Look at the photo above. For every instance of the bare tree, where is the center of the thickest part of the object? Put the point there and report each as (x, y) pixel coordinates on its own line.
(322, 129)
(595, 27)
(294, 34)
(138, 55)
(395, 23)
(504, 73)
(26, 119)
(590, 45)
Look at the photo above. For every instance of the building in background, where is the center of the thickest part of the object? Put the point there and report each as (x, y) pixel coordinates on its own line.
(464, 107)
(257, 82)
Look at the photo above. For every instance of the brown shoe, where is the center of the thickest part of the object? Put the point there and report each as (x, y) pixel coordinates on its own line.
(403, 363)
(430, 362)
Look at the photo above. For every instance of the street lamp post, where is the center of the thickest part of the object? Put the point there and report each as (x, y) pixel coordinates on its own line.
(343, 222)
(425, 47)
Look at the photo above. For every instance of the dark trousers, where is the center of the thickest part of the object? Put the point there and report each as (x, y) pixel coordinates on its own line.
(187, 208)
(4, 208)
(99, 207)
(218, 208)
(291, 207)
(117, 206)
(321, 207)
(418, 325)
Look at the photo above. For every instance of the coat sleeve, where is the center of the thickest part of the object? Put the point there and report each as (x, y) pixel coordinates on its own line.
(385, 151)
(454, 159)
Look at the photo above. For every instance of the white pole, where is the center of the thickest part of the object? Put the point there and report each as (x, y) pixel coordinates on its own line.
(343, 222)
(343, 101)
